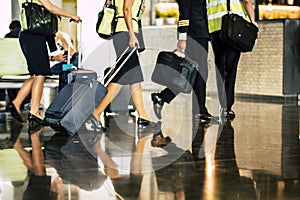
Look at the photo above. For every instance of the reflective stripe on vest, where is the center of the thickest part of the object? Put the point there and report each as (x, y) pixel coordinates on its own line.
(121, 25)
(216, 9)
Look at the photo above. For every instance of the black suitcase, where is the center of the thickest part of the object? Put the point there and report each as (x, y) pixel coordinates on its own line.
(73, 104)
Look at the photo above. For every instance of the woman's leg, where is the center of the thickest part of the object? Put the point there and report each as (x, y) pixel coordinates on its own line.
(112, 91)
(23, 93)
(36, 95)
(137, 157)
(136, 94)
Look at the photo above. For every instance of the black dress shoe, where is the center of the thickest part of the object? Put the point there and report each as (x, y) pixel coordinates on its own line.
(159, 140)
(228, 114)
(206, 118)
(93, 124)
(146, 127)
(13, 111)
(34, 123)
(158, 104)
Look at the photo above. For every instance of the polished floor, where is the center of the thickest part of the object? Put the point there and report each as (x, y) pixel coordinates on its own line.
(255, 156)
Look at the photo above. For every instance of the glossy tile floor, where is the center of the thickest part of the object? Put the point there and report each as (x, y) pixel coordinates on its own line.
(255, 156)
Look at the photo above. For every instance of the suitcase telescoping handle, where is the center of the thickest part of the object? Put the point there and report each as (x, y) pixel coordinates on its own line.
(79, 42)
(114, 65)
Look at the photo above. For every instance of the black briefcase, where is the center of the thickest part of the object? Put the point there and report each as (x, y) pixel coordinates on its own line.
(238, 32)
(175, 72)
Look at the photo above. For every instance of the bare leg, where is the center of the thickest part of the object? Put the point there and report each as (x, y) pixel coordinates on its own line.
(136, 94)
(110, 167)
(36, 95)
(137, 157)
(37, 154)
(23, 93)
(112, 91)
(25, 155)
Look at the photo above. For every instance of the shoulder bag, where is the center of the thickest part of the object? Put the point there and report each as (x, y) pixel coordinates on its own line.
(238, 32)
(37, 19)
(175, 72)
(107, 20)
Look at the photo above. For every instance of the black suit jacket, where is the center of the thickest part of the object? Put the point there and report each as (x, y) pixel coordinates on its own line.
(193, 14)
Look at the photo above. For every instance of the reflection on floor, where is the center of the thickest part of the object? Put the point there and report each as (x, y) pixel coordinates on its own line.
(255, 156)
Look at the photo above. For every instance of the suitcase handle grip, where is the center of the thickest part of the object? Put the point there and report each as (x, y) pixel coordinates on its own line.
(73, 20)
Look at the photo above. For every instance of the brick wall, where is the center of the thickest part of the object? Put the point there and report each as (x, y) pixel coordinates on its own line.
(260, 72)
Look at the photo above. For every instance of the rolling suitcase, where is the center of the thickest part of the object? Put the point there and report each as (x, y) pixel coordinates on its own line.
(76, 101)
(70, 73)
(73, 104)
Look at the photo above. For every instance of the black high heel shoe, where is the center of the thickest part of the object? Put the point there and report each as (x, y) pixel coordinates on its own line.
(158, 104)
(146, 127)
(93, 124)
(34, 123)
(13, 111)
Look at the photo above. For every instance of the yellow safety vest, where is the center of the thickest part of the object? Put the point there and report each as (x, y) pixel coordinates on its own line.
(121, 25)
(216, 9)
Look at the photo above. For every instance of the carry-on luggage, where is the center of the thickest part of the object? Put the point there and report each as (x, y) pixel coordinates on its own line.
(77, 100)
(66, 76)
(174, 71)
(73, 104)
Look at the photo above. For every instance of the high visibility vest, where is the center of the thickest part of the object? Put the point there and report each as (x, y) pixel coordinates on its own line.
(121, 25)
(216, 9)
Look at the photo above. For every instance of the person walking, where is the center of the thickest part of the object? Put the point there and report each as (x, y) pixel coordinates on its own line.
(128, 12)
(193, 39)
(226, 57)
(34, 48)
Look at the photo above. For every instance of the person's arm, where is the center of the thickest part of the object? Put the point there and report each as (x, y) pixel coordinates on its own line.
(248, 4)
(66, 41)
(183, 23)
(127, 9)
(58, 11)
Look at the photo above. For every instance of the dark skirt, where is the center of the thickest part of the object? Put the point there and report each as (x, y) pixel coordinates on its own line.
(34, 48)
(130, 72)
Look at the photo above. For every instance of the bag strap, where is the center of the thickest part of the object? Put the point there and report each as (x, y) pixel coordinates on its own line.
(112, 2)
(228, 6)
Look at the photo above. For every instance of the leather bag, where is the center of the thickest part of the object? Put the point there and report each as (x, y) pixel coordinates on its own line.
(175, 72)
(37, 19)
(238, 32)
(107, 21)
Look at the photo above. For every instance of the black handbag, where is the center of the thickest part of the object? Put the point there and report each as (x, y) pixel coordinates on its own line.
(107, 21)
(175, 72)
(37, 19)
(238, 32)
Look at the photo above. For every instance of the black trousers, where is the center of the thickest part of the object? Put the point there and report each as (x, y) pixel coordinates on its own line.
(226, 61)
(197, 50)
